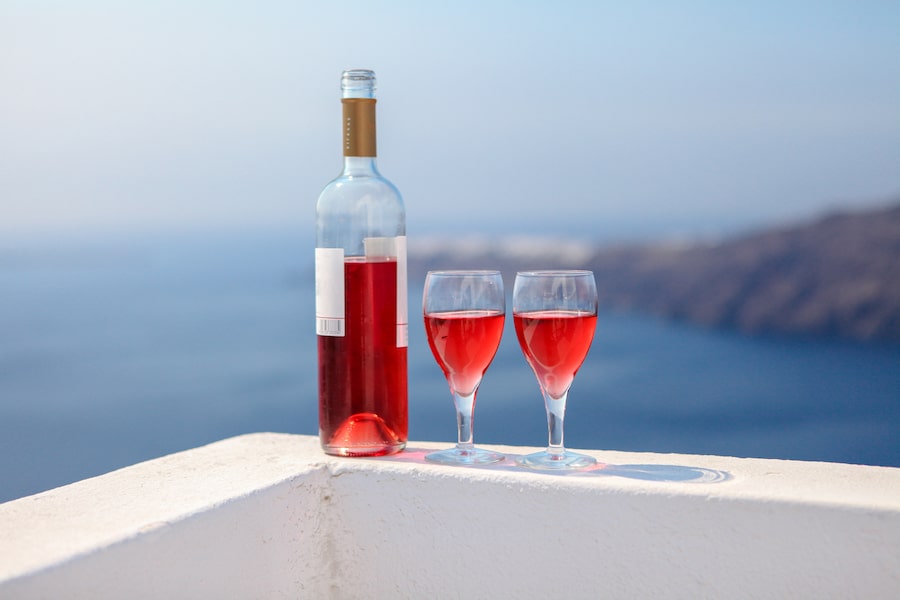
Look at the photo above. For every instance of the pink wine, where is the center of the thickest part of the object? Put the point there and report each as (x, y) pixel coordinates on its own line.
(362, 374)
(555, 343)
(464, 343)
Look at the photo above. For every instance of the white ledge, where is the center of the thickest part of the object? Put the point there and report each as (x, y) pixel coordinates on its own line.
(270, 516)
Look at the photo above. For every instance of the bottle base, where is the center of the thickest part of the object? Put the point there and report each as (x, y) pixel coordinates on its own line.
(362, 434)
(359, 451)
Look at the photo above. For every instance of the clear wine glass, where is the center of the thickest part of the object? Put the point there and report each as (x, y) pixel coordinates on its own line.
(464, 313)
(555, 314)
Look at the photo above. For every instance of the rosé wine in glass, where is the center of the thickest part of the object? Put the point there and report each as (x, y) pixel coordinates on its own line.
(555, 343)
(555, 316)
(464, 312)
(464, 343)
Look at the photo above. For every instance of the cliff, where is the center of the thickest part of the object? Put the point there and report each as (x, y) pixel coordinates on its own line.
(838, 276)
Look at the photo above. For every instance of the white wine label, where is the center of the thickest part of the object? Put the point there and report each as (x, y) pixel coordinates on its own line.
(380, 247)
(330, 291)
(402, 300)
(394, 247)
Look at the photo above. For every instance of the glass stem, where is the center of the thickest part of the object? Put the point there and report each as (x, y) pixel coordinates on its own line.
(465, 407)
(556, 414)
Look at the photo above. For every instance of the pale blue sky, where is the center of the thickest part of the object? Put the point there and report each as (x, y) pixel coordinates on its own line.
(613, 117)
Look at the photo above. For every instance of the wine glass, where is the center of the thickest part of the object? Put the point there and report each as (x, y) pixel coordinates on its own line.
(464, 313)
(555, 314)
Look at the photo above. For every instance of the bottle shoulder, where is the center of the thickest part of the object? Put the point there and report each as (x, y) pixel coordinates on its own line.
(354, 187)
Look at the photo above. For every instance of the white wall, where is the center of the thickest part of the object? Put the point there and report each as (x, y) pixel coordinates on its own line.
(269, 516)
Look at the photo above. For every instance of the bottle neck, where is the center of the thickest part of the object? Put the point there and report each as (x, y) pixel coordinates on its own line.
(359, 128)
(359, 166)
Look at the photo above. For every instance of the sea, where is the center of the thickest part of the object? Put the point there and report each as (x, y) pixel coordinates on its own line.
(119, 349)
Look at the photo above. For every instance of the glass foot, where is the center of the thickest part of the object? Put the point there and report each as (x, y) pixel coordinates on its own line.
(545, 461)
(464, 456)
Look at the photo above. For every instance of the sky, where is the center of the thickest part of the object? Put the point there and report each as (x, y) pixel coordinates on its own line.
(605, 119)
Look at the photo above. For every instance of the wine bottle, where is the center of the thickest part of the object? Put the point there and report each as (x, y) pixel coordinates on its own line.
(361, 292)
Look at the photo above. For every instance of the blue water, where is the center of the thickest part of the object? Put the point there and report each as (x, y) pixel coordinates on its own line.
(116, 351)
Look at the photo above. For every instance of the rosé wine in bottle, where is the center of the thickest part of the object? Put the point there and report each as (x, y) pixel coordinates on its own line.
(362, 374)
(361, 293)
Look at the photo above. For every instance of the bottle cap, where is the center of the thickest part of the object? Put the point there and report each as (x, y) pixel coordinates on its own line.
(358, 83)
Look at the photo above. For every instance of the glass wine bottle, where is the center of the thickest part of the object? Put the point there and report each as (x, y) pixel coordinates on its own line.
(361, 292)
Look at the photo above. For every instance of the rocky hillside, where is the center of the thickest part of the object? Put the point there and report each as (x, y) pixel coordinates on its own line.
(837, 277)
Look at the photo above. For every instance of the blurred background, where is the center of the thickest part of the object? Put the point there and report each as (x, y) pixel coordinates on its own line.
(160, 162)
